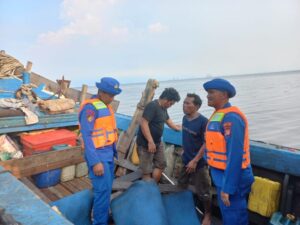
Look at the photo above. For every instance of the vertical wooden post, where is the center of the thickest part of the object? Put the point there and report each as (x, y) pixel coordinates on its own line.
(83, 92)
(128, 135)
(28, 67)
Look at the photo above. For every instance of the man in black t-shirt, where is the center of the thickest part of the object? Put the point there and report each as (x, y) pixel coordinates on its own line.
(150, 147)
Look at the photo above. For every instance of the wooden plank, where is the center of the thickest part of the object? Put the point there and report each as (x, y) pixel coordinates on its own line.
(131, 176)
(34, 188)
(56, 192)
(54, 87)
(83, 93)
(115, 194)
(34, 164)
(126, 164)
(121, 185)
(70, 93)
(80, 184)
(87, 181)
(64, 191)
(71, 186)
(49, 194)
(168, 188)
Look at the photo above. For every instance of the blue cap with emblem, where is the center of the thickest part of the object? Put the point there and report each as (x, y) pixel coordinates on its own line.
(221, 85)
(109, 85)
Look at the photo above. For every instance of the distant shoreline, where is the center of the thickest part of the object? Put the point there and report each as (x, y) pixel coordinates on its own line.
(230, 75)
(215, 76)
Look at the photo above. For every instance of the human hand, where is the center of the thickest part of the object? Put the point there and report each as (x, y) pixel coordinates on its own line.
(191, 166)
(151, 147)
(98, 169)
(225, 198)
(178, 127)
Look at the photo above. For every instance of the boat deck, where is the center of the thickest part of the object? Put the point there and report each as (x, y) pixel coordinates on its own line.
(60, 190)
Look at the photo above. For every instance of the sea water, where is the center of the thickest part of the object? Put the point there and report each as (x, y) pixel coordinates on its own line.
(270, 102)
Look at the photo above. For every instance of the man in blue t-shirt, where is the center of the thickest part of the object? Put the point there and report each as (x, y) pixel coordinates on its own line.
(195, 170)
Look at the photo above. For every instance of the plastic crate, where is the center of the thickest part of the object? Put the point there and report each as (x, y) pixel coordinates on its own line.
(42, 142)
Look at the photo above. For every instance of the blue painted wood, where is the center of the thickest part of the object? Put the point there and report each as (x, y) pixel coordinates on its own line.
(172, 137)
(267, 156)
(39, 91)
(8, 86)
(17, 123)
(123, 121)
(26, 207)
(275, 158)
(169, 136)
(263, 155)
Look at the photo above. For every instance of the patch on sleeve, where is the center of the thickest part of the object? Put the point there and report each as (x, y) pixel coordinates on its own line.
(227, 128)
(90, 115)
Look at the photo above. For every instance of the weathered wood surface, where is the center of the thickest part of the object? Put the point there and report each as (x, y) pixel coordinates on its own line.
(70, 93)
(126, 164)
(34, 188)
(35, 164)
(54, 87)
(121, 185)
(131, 176)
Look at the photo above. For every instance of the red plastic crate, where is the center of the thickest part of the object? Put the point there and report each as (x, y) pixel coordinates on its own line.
(43, 142)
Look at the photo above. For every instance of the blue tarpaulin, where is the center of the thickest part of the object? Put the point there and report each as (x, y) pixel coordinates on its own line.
(77, 207)
(142, 204)
(180, 208)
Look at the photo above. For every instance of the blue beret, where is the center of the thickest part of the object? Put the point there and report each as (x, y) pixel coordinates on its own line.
(109, 85)
(221, 85)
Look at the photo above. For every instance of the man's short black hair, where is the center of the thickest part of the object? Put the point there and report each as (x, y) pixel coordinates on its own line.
(197, 100)
(170, 94)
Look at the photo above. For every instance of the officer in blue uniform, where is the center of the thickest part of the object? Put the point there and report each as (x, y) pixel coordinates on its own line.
(227, 152)
(100, 159)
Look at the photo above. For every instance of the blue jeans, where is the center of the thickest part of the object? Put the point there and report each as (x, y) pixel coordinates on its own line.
(102, 186)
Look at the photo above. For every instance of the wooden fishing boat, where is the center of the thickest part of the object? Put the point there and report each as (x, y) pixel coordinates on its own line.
(29, 204)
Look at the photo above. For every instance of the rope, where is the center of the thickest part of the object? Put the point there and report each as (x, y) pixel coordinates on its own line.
(9, 66)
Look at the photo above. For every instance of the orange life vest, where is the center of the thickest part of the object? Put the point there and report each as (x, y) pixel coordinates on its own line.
(105, 128)
(216, 144)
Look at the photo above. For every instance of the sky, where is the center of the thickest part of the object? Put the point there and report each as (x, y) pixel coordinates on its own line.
(134, 40)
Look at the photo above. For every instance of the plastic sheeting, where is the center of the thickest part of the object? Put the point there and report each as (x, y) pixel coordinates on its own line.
(77, 207)
(180, 208)
(142, 204)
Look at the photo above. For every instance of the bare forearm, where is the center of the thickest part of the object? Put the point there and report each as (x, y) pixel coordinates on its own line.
(200, 153)
(172, 125)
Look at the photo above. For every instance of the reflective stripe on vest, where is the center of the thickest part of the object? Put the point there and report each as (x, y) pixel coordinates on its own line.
(105, 128)
(215, 140)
